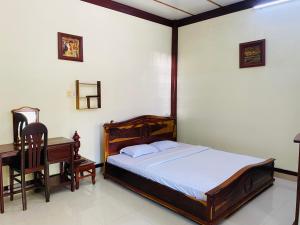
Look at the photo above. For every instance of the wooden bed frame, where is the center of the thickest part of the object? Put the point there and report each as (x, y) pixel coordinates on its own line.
(221, 202)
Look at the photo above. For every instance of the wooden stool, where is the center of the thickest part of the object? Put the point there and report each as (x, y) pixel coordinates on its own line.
(84, 166)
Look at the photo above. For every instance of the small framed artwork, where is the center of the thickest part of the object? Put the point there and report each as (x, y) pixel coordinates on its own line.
(70, 47)
(253, 54)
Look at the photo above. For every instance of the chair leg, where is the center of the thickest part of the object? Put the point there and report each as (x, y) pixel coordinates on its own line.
(11, 183)
(77, 179)
(23, 187)
(35, 178)
(61, 168)
(46, 181)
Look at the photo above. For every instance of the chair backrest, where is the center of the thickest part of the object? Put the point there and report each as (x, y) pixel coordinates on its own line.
(34, 143)
(19, 123)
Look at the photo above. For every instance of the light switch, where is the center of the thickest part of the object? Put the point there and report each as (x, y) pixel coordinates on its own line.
(69, 93)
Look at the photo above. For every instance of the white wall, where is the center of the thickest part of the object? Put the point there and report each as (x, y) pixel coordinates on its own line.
(254, 111)
(130, 56)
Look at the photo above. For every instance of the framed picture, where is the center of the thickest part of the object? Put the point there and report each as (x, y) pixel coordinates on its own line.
(252, 54)
(70, 47)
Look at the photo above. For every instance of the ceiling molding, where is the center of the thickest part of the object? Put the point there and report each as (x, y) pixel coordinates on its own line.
(213, 2)
(131, 11)
(173, 7)
(239, 6)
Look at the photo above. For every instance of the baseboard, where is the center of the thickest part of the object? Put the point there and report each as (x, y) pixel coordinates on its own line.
(287, 172)
(30, 182)
(98, 165)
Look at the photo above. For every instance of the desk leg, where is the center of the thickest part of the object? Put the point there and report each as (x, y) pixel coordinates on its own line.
(1, 188)
(72, 169)
(72, 177)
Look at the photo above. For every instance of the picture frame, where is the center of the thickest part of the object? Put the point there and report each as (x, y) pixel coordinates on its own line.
(253, 54)
(70, 47)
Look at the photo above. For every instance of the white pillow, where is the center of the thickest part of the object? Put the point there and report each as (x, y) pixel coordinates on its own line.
(138, 150)
(164, 145)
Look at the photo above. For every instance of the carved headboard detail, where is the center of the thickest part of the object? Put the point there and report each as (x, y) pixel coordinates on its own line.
(139, 130)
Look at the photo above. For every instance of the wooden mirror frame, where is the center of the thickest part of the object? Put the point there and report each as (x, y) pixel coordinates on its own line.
(15, 123)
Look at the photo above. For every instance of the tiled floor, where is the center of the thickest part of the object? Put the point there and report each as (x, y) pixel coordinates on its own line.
(107, 203)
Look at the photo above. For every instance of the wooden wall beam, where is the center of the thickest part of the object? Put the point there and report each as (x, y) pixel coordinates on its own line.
(174, 71)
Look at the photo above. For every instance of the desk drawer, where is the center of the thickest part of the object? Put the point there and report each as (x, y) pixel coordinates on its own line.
(59, 153)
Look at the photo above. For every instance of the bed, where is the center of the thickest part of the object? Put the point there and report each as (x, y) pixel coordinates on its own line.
(213, 190)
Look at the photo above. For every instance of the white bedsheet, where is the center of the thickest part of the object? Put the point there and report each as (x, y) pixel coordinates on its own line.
(192, 170)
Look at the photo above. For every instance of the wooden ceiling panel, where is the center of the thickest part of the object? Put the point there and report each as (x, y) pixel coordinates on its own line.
(192, 6)
(155, 8)
(176, 9)
(226, 2)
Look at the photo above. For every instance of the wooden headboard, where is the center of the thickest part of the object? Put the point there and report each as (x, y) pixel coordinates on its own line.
(139, 130)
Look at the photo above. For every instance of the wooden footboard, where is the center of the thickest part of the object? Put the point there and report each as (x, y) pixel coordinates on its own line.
(221, 201)
(239, 189)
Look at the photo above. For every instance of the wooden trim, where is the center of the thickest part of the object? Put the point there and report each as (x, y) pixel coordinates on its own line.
(99, 165)
(213, 2)
(139, 130)
(135, 120)
(174, 68)
(243, 5)
(27, 109)
(296, 221)
(237, 176)
(131, 11)
(173, 7)
(287, 172)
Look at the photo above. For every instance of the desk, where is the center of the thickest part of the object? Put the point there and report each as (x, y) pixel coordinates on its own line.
(60, 150)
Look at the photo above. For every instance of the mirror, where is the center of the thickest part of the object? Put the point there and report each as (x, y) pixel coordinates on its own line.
(21, 118)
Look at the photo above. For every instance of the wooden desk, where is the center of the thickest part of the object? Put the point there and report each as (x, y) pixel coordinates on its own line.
(59, 150)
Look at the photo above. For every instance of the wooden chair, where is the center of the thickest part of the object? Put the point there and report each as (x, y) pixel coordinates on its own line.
(32, 159)
(85, 168)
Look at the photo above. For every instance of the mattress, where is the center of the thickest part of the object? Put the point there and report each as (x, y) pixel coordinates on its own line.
(189, 169)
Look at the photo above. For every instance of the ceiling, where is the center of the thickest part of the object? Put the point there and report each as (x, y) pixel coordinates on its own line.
(176, 9)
